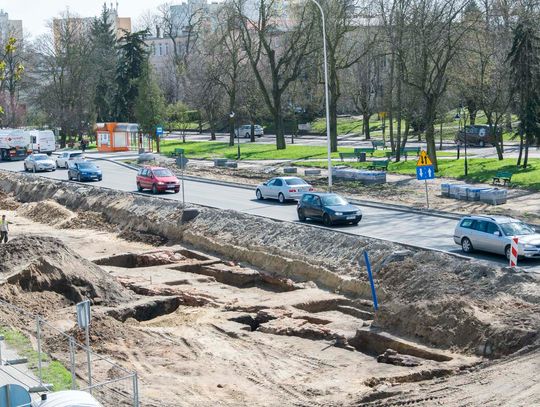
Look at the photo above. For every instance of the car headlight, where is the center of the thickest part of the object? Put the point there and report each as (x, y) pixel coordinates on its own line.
(358, 213)
(338, 213)
(161, 183)
(529, 247)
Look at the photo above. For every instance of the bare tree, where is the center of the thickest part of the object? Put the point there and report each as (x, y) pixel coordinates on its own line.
(435, 32)
(276, 52)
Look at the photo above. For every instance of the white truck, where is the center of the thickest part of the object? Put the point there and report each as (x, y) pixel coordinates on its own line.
(42, 141)
(14, 144)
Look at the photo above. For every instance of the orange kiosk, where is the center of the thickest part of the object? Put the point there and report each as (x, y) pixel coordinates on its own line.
(111, 137)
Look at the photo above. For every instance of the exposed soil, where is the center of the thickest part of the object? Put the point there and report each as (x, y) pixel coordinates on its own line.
(238, 310)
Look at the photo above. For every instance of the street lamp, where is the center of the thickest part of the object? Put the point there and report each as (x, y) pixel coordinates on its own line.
(326, 96)
(231, 115)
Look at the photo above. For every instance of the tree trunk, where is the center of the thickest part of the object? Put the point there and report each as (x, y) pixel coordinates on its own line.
(520, 149)
(278, 123)
(333, 124)
(365, 124)
(430, 132)
(391, 101)
(231, 131)
(252, 135)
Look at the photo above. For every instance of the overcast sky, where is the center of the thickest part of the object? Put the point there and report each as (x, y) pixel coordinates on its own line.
(36, 13)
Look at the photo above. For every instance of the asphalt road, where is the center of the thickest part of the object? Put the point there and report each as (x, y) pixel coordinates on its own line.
(417, 229)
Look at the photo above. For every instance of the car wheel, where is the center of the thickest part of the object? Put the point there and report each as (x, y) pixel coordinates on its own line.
(79, 177)
(482, 143)
(281, 198)
(326, 220)
(25, 169)
(259, 195)
(176, 191)
(100, 178)
(139, 188)
(34, 169)
(355, 222)
(248, 135)
(466, 245)
(301, 216)
(507, 252)
(154, 189)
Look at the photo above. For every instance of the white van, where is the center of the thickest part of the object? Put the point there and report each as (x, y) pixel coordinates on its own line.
(42, 141)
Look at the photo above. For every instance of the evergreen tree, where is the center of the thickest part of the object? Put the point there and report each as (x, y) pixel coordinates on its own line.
(524, 61)
(105, 62)
(131, 64)
(149, 103)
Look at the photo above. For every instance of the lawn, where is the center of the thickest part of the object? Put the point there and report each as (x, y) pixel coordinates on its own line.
(52, 371)
(258, 151)
(480, 169)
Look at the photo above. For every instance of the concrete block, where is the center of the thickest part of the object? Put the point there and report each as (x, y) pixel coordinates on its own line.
(231, 164)
(290, 170)
(220, 162)
(312, 172)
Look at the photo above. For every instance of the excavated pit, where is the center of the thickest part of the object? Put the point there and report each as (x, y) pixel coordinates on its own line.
(146, 310)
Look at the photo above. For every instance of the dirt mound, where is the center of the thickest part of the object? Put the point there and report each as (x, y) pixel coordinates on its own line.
(48, 212)
(8, 203)
(37, 264)
(89, 220)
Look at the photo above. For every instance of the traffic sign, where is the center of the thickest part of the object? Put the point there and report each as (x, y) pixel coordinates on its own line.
(423, 160)
(425, 172)
(83, 314)
(159, 131)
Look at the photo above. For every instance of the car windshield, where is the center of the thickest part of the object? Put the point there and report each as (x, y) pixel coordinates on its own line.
(162, 173)
(295, 181)
(516, 228)
(333, 200)
(40, 157)
(87, 166)
(75, 154)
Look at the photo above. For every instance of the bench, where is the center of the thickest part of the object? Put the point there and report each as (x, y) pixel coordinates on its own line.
(177, 152)
(404, 152)
(347, 155)
(379, 165)
(378, 143)
(357, 152)
(502, 177)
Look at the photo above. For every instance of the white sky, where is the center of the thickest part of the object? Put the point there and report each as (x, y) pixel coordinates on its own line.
(36, 13)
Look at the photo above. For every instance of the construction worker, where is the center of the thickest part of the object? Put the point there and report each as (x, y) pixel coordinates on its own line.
(4, 229)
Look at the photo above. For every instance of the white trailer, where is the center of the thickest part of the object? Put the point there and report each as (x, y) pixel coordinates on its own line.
(14, 144)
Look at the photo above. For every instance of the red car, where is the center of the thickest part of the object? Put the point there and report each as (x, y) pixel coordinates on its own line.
(157, 179)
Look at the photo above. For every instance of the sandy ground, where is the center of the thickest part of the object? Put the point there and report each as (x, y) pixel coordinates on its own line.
(239, 336)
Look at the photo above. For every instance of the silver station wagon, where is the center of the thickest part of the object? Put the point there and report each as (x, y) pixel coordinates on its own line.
(494, 234)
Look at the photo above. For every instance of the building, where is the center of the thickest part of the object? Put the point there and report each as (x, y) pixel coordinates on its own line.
(10, 28)
(121, 137)
(119, 24)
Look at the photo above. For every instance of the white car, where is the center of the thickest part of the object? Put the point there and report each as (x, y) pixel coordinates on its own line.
(39, 162)
(64, 157)
(283, 189)
(245, 131)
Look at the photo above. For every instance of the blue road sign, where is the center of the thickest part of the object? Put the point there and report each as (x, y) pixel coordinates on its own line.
(425, 172)
(159, 131)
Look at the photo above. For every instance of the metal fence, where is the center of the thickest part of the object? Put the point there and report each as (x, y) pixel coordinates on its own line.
(107, 381)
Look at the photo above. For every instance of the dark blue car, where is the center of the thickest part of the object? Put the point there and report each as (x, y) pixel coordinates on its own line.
(330, 208)
(84, 171)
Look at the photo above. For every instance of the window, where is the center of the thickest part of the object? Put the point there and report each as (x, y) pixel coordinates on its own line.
(278, 183)
(162, 173)
(333, 200)
(316, 201)
(492, 228)
(295, 181)
(467, 223)
(144, 172)
(160, 50)
(516, 229)
(166, 49)
(481, 226)
(271, 182)
(307, 198)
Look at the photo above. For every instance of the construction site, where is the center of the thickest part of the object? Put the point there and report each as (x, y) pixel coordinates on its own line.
(218, 307)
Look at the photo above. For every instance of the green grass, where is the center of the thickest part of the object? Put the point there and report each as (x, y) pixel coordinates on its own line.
(258, 151)
(480, 170)
(52, 371)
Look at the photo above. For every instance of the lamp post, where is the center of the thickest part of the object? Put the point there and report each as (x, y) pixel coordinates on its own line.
(231, 115)
(326, 94)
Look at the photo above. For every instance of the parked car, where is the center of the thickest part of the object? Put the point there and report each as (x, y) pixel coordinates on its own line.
(494, 234)
(283, 189)
(157, 179)
(39, 162)
(330, 208)
(64, 157)
(477, 135)
(245, 131)
(84, 171)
